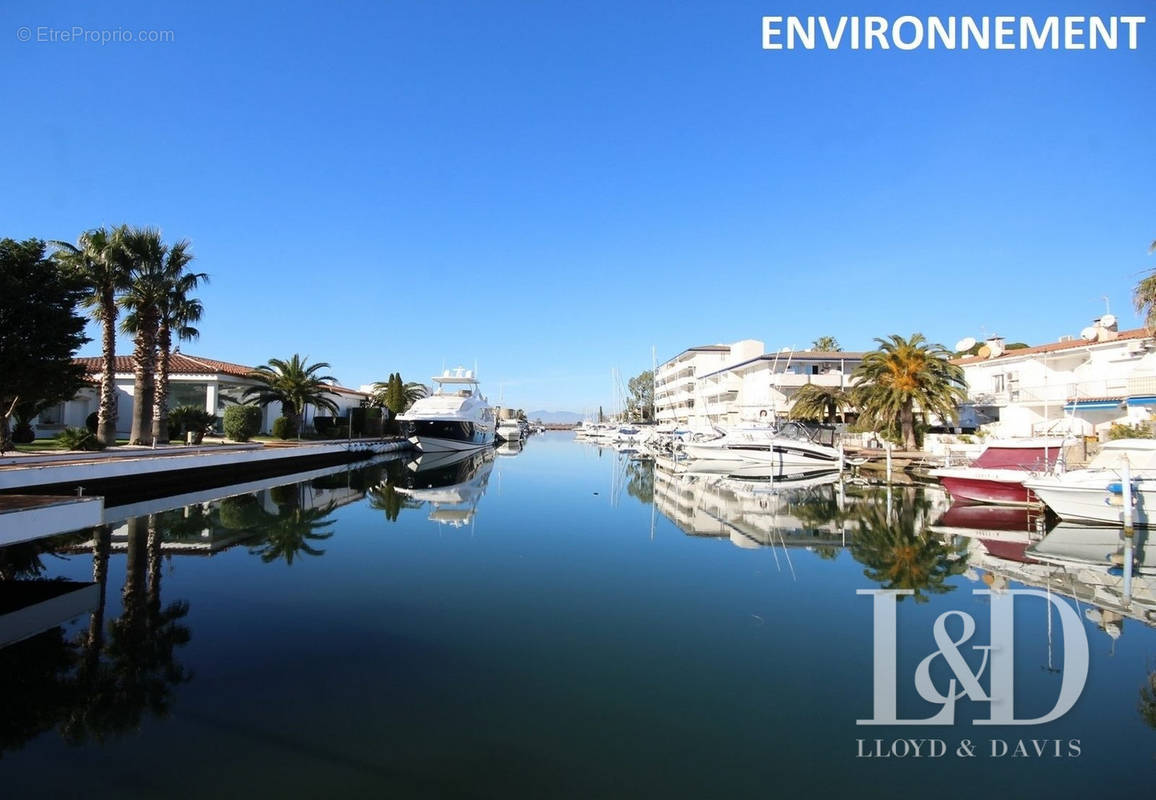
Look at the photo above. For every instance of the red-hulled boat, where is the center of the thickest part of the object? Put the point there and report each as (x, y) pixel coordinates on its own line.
(998, 474)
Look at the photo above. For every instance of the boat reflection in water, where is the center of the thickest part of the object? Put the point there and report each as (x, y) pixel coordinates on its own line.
(451, 484)
(1087, 563)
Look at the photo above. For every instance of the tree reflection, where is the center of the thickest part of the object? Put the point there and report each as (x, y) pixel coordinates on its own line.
(136, 669)
(899, 550)
(107, 678)
(1147, 706)
(640, 483)
(289, 532)
(387, 499)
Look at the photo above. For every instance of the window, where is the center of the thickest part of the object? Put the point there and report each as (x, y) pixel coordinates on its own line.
(997, 384)
(52, 415)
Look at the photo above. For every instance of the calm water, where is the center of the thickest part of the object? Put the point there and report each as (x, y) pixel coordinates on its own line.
(562, 622)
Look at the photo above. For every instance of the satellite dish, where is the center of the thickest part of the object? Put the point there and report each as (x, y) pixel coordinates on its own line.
(965, 344)
(995, 348)
(1088, 334)
(1108, 321)
(985, 352)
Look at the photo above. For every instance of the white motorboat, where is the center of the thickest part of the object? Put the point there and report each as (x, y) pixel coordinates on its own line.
(509, 430)
(455, 417)
(1084, 493)
(761, 444)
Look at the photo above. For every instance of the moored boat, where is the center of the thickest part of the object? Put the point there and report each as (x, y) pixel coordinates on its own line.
(998, 474)
(455, 417)
(760, 444)
(1086, 493)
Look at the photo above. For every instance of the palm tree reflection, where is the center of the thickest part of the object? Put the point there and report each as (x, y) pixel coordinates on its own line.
(107, 678)
(899, 550)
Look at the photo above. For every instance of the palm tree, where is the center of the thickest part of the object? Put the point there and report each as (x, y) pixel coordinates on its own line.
(814, 401)
(826, 344)
(413, 391)
(146, 254)
(903, 374)
(293, 383)
(177, 312)
(98, 257)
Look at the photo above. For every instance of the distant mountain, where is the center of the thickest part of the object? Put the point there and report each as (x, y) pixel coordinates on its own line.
(555, 417)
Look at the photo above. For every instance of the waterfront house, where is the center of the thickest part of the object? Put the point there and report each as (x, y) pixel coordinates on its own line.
(1080, 384)
(193, 380)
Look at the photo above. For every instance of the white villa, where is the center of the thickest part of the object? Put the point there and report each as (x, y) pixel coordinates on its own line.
(192, 381)
(1082, 385)
(729, 383)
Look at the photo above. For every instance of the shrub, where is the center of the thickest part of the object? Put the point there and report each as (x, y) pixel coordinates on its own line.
(78, 439)
(324, 425)
(1120, 430)
(283, 428)
(242, 422)
(190, 419)
(22, 433)
(92, 421)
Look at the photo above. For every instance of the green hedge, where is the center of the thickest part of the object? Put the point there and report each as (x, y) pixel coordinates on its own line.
(242, 422)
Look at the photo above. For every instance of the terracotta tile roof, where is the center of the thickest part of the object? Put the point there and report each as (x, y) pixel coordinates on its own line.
(1135, 333)
(183, 364)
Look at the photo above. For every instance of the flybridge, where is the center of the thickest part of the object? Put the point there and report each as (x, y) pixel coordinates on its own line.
(458, 375)
(952, 33)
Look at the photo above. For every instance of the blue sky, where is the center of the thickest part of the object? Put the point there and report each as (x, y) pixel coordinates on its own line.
(554, 188)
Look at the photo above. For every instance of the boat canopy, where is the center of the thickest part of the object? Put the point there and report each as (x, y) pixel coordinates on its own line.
(1141, 454)
(1030, 454)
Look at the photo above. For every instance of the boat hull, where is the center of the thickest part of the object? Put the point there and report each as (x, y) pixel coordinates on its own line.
(997, 486)
(778, 455)
(439, 436)
(1089, 501)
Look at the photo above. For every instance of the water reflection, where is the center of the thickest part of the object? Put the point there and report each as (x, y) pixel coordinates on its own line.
(407, 644)
(104, 679)
(95, 681)
(450, 484)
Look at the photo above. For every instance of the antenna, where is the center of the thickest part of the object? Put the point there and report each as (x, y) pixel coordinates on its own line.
(1107, 305)
(965, 343)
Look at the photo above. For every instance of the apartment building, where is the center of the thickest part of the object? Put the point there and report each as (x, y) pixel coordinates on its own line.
(1078, 384)
(732, 383)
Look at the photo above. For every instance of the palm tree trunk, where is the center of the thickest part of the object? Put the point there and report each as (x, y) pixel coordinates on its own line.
(143, 364)
(94, 642)
(106, 412)
(153, 550)
(907, 423)
(160, 418)
(132, 594)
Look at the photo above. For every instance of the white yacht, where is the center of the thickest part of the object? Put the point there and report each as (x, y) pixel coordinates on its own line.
(455, 417)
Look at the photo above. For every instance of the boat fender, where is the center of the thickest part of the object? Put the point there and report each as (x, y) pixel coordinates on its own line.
(1117, 500)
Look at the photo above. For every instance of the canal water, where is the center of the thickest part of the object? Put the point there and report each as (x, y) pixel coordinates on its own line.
(566, 621)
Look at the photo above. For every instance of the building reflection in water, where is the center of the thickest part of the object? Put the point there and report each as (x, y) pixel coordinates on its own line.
(910, 537)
